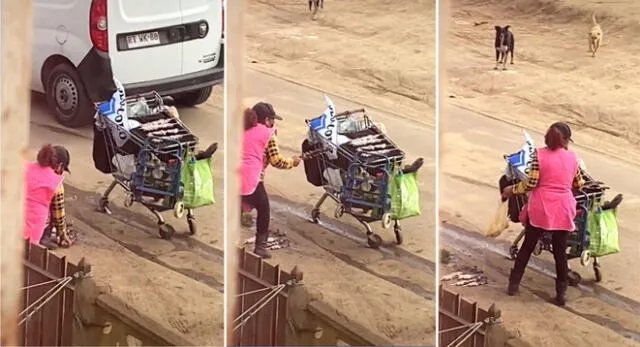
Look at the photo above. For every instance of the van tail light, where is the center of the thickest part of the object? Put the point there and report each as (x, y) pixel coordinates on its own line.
(98, 28)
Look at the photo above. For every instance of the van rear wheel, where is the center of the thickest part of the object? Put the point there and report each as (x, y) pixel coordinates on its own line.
(67, 97)
(194, 98)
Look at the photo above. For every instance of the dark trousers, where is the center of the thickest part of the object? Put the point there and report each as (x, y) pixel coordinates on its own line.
(260, 201)
(559, 242)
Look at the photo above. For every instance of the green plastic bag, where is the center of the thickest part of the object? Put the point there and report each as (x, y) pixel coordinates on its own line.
(405, 195)
(197, 180)
(603, 232)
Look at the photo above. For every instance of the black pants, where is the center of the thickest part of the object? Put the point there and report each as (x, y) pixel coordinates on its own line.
(559, 242)
(260, 201)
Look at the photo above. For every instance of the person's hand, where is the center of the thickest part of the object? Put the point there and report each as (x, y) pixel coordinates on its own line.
(296, 161)
(507, 192)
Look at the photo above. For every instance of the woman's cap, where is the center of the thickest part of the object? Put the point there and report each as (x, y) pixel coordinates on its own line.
(265, 110)
(564, 129)
(63, 157)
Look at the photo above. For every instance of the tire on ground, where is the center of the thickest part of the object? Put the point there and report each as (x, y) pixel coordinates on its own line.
(194, 98)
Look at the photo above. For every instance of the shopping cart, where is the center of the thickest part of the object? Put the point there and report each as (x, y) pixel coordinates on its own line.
(592, 193)
(353, 160)
(139, 142)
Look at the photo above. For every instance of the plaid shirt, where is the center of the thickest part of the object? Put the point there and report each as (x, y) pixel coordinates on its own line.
(57, 212)
(534, 176)
(274, 157)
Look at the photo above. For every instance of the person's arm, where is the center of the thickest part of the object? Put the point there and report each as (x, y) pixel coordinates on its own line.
(532, 178)
(275, 158)
(57, 211)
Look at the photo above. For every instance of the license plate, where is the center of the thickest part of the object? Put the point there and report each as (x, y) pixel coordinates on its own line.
(143, 40)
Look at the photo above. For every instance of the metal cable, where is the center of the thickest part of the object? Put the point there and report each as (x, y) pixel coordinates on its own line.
(466, 335)
(45, 298)
(256, 307)
(42, 283)
(274, 291)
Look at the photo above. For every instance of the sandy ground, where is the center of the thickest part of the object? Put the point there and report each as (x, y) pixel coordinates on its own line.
(362, 54)
(553, 78)
(177, 283)
(380, 52)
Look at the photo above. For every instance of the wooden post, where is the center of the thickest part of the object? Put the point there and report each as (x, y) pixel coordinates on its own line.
(15, 102)
(234, 82)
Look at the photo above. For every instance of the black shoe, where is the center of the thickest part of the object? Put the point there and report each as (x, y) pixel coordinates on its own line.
(207, 153)
(514, 282)
(561, 290)
(414, 167)
(261, 246)
(262, 252)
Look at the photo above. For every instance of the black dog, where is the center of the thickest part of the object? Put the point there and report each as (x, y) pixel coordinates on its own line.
(504, 44)
(315, 5)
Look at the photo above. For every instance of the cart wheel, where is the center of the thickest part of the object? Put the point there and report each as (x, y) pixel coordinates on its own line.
(574, 278)
(339, 211)
(398, 231)
(192, 225)
(513, 252)
(315, 215)
(374, 241)
(386, 221)
(166, 231)
(178, 209)
(538, 249)
(103, 206)
(598, 273)
(128, 201)
(585, 258)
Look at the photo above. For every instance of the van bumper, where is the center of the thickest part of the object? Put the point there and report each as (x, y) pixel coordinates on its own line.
(178, 84)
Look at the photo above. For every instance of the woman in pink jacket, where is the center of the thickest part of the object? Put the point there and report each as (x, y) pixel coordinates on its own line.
(554, 174)
(44, 198)
(253, 193)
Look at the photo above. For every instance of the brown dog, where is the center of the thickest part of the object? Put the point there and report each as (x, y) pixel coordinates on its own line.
(595, 36)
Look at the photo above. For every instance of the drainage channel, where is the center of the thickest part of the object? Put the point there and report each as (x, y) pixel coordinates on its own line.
(465, 241)
(282, 206)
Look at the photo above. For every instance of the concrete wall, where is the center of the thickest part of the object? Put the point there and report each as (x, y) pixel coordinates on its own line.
(104, 320)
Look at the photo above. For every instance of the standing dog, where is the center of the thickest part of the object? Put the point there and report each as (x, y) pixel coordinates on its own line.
(504, 44)
(595, 36)
(314, 7)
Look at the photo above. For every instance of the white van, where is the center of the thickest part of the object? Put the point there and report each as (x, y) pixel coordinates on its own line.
(172, 46)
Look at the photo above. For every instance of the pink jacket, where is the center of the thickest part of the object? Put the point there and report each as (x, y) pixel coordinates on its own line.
(40, 186)
(255, 141)
(551, 204)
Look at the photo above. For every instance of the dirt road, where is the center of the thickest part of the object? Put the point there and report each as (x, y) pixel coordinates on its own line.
(553, 78)
(358, 53)
(178, 283)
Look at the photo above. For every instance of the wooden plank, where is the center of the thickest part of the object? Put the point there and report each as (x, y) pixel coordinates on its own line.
(67, 315)
(265, 316)
(281, 313)
(37, 256)
(240, 306)
(53, 309)
(278, 303)
(252, 266)
(468, 313)
(17, 36)
(50, 311)
(22, 338)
